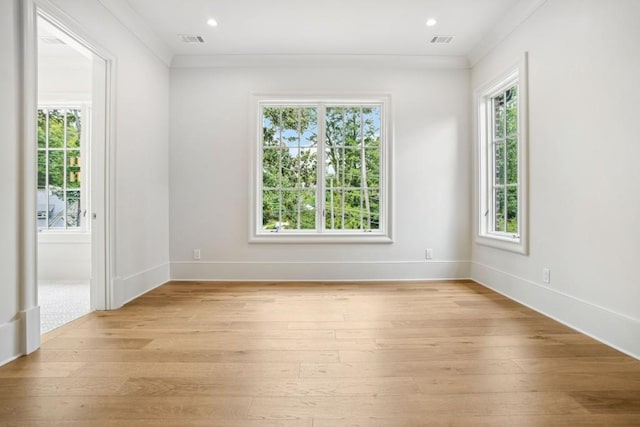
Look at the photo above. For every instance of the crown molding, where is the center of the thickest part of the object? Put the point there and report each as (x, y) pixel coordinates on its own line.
(515, 17)
(138, 27)
(276, 61)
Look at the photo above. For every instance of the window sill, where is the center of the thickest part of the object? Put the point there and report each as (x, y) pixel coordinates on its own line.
(504, 243)
(316, 238)
(52, 237)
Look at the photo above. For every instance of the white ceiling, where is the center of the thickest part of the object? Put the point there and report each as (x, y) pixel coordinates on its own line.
(328, 27)
(64, 46)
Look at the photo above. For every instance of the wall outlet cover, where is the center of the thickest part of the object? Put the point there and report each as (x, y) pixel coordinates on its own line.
(428, 253)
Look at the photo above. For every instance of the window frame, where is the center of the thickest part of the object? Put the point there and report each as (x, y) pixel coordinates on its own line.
(516, 75)
(320, 234)
(85, 227)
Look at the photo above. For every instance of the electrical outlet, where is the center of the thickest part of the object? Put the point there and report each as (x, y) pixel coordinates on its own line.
(428, 253)
(196, 254)
(546, 275)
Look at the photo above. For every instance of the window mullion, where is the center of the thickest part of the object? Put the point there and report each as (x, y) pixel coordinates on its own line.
(503, 188)
(320, 173)
(492, 169)
(518, 157)
(259, 182)
(299, 169)
(46, 158)
(64, 167)
(85, 182)
(344, 170)
(279, 170)
(504, 163)
(363, 169)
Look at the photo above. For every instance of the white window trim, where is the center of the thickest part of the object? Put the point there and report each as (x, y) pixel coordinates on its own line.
(518, 243)
(67, 237)
(384, 235)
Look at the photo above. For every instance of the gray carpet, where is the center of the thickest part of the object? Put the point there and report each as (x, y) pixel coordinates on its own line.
(62, 302)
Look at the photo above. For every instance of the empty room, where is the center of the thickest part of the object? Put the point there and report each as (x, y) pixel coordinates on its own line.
(320, 213)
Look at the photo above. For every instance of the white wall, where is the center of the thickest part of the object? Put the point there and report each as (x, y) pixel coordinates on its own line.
(142, 108)
(209, 170)
(64, 79)
(584, 62)
(64, 257)
(10, 125)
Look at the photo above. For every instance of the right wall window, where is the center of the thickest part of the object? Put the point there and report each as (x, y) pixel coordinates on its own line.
(502, 149)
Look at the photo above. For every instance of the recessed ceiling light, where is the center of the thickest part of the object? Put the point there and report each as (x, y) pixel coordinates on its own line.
(212, 22)
(431, 22)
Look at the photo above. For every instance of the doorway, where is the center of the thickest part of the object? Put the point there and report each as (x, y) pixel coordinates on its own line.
(71, 183)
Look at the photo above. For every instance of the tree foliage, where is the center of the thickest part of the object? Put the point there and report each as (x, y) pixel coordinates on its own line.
(351, 169)
(505, 152)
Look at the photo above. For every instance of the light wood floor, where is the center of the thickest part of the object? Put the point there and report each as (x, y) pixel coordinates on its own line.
(383, 354)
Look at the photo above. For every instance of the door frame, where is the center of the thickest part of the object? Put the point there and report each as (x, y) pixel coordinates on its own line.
(103, 206)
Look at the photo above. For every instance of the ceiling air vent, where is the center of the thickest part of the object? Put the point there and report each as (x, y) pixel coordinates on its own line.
(442, 39)
(50, 40)
(186, 38)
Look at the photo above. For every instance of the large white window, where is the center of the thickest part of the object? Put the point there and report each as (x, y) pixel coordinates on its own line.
(322, 171)
(502, 149)
(61, 191)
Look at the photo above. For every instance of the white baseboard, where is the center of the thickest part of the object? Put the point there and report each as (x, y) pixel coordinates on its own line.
(131, 287)
(31, 324)
(10, 339)
(614, 329)
(20, 336)
(319, 271)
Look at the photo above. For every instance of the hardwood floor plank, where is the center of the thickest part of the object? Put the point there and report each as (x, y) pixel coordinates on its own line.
(505, 383)
(372, 315)
(486, 341)
(521, 323)
(415, 405)
(443, 420)
(249, 334)
(232, 344)
(191, 356)
(609, 402)
(206, 421)
(507, 329)
(403, 369)
(56, 386)
(577, 364)
(123, 407)
(302, 316)
(177, 369)
(465, 352)
(154, 324)
(351, 334)
(302, 387)
(98, 343)
(340, 325)
(25, 368)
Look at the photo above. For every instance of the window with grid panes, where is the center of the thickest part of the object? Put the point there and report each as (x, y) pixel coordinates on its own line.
(60, 196)
(504, 165)
(502, 170)
(321, 169)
